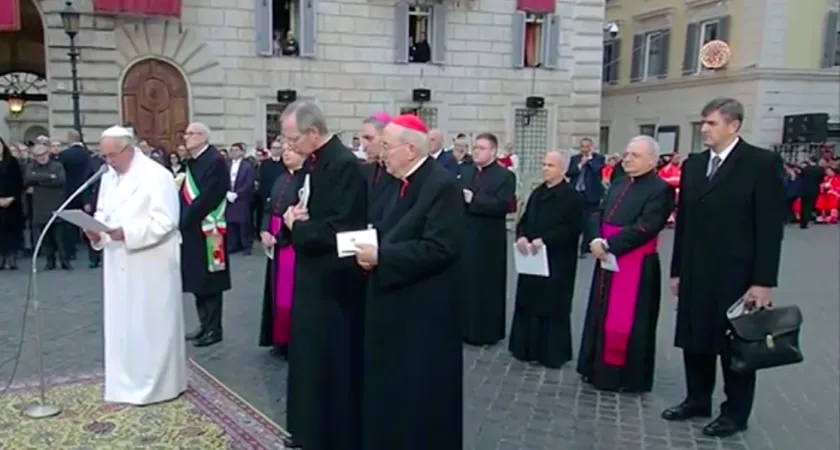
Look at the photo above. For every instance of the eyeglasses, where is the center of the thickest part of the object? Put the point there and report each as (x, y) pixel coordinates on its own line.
(112, 156)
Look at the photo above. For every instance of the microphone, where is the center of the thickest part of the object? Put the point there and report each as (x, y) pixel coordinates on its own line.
(42, 408)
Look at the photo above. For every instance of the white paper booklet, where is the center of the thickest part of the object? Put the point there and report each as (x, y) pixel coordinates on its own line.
(345, 242)
(304, 192)
(531, 263)
(83, 220)
(610, 263)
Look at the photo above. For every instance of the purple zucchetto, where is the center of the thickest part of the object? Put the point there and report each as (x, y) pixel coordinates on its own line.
(382, 116)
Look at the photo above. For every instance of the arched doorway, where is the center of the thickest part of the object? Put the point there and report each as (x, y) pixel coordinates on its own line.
(155, 102)
(23, 74)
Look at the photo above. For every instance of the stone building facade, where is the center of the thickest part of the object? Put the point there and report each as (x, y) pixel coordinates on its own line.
(217, 65)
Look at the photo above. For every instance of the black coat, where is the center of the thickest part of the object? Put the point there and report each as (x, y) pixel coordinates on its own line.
(381, 188)
(11, 185)
(413, 356)
(324, 380)
(76, 161)
(554, 215)
(210, 171)
(728, 237)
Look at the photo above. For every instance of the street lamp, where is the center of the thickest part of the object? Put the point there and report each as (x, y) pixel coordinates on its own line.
(70, 19)
(15, 102)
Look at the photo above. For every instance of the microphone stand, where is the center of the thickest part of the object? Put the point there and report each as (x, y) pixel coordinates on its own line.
(42, 409)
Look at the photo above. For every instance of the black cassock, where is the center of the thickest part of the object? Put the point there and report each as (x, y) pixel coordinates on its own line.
(381, 188)
(283, 194)
(210, 172)
(484, 265)
(618, 345)
(324, 387)
(542, 330)
(413, 372)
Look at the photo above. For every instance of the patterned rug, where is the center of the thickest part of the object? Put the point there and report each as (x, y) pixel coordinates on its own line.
(207, 417)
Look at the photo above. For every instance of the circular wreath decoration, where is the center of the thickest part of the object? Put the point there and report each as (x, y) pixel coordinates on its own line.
(715, 55)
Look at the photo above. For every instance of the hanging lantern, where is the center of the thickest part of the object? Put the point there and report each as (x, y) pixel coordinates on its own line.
(15, 103)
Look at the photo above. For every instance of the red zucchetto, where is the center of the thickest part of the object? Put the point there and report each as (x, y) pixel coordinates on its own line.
(411, 122)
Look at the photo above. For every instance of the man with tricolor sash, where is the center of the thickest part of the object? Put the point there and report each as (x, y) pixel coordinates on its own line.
(205, 270)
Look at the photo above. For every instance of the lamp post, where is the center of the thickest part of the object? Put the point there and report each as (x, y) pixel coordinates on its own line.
(70, 19)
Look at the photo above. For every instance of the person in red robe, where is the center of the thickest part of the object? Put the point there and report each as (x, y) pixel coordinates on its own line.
(671, 173)
(829, 197)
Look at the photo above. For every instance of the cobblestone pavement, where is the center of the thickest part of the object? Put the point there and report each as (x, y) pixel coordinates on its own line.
(508, 405)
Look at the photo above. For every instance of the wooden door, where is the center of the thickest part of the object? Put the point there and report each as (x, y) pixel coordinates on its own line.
(155, 102)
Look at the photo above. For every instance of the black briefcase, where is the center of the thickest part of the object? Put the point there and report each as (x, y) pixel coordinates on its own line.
(764, 338)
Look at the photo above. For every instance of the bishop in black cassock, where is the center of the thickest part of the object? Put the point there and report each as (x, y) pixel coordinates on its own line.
(553, 218)
(413, 368)
(324, 384)
(381, 186)
(618, 345)
(489, 190)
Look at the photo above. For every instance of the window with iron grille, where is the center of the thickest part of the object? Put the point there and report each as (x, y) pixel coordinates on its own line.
(530, 140)
(273, 111)
(429, 116)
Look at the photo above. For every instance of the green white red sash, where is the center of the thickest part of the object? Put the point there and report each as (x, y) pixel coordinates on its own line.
(214, 227)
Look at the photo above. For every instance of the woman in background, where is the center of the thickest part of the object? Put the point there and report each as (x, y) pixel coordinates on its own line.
(11, 208)
(280, 266)
(175, 164)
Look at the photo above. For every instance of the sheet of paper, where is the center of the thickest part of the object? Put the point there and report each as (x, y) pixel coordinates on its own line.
(531, 263)
(83, 220)
(304, 192)
(738, 309)
(269, 252)
(345, 243)
(610, 263)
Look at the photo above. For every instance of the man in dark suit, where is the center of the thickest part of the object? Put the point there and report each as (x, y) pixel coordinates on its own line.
(239, 196)
(205, 271)
(76, 161)
(411, 312)
(810, 177)
(439, 154)
(727, 245)
(90, 198)
(585, 176)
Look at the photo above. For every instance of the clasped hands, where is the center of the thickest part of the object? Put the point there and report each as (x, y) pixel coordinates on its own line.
(294, 214)
(531, 247)
(267, 239)
(367, 256)
(598, 248)
(231, 197)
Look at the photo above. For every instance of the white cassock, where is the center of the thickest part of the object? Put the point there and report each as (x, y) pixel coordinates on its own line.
(145, 358)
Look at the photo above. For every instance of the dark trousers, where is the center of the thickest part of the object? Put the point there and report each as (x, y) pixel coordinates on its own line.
(807, 205)
(256, 215)
(71, 236)
(588, 210)
(54, 244)
(239, 236)
(700, 370)
(209, 308)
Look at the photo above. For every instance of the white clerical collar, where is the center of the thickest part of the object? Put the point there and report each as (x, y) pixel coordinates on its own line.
(415, 167)
(201, 151)
(436, 154)
(726, 151)
(276, 158)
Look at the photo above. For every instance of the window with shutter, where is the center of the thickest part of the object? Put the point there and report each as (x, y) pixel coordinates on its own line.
(831, 44)
(402, 35)
(551, 41)
(518, 40)
(699, 34)
(420, 38)
(438, 34)
(638, 50)
(609, 72)
(285, 27)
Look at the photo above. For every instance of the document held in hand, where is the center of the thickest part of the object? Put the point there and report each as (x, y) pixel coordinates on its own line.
(610, 263)
(345, 242)
(531, 263)
(304, 192)
(83, 220)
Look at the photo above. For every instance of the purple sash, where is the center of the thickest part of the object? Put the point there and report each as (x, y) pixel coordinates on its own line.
(284, 284)
(622, 297)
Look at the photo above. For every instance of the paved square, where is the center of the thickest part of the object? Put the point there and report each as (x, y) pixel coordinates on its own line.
(508, 404)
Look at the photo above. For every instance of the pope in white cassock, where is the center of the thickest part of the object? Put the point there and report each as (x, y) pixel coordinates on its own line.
(145, 359)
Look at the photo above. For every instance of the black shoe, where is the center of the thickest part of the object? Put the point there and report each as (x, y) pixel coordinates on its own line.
(50, 265)
(12, 262)
(195, 334)
(685, 411)
(93, 265)
(723, 427)
(66, 265)
(288, 442)
(209, 338)
(3, 263)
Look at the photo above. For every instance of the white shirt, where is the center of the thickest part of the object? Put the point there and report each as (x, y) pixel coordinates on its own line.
(415, 167)
(234, 170)
(435, 155)
(723, 154)
(201, 151)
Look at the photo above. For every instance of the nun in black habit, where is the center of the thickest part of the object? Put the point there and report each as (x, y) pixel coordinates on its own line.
(280, 268)
(618, 345)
